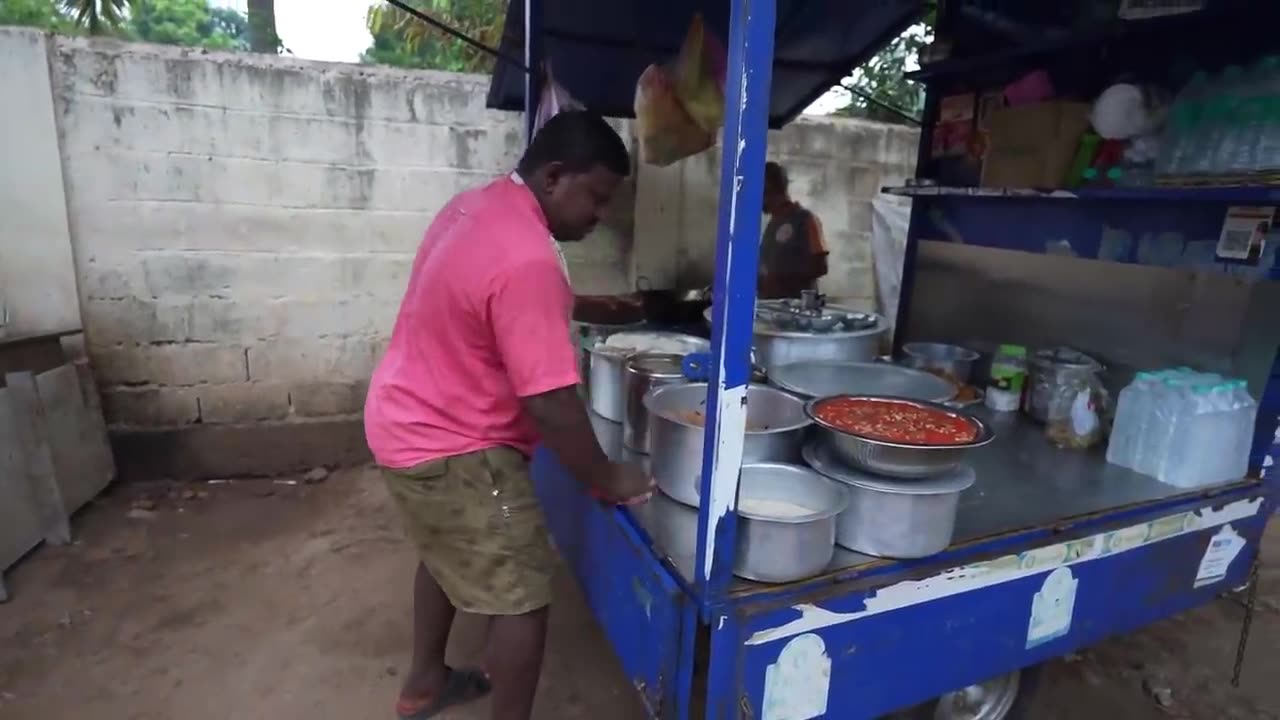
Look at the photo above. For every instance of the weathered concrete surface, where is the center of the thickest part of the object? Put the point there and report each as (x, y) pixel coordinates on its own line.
(292, 602)
(37, 278)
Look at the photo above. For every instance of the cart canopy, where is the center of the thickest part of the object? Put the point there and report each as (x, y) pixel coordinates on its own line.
(597, 50)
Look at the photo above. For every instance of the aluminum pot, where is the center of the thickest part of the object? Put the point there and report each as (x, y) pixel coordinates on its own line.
(787, 522)
(606, 378)
(952, 361)
(775, 347)
(586, 336)
(892, 518)
(776, 425)
(644, 372)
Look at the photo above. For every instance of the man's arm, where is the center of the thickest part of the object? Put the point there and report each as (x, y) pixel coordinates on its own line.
(561, 419)
(530, 321)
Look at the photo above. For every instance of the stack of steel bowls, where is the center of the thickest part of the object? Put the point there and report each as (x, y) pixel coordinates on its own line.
(903, 497)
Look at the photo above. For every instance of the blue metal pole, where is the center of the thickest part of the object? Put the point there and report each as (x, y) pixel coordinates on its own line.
(746, 127)
(533, 61)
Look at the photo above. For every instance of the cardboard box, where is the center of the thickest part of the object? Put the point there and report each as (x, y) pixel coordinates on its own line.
(1032, 146)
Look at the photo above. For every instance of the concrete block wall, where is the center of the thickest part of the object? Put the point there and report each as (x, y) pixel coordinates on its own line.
(243, 225)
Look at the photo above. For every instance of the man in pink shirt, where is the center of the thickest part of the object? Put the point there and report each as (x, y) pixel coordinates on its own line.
(480, 369)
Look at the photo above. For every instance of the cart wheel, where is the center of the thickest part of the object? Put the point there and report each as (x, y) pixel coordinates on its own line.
(1007, 697)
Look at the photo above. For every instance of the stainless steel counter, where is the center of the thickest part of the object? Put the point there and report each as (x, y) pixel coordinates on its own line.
(1023, 482)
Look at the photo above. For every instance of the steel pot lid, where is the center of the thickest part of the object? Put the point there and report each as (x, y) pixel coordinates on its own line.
(863, 323)
(662, 366)
(820, 458)
(824, 378)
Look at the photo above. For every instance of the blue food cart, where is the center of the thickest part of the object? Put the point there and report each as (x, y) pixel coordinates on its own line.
(1054, 549)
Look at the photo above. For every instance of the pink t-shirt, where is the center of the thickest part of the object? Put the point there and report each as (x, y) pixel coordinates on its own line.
(484, 322)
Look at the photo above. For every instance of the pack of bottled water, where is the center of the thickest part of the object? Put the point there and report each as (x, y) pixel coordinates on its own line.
(1184, 428)
(1228, 124)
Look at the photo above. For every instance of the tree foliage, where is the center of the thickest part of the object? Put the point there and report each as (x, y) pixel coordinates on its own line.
(405, 41)
(175, 22)
(881, 77)
(188, 22)
(46, 14)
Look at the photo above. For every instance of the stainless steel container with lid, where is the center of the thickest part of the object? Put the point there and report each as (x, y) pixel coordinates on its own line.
(787, 332)
(894, 518)
(586, 336)
(606, 379)
(645, 372)
(776, 425)
(787, 522)
(1052, 373)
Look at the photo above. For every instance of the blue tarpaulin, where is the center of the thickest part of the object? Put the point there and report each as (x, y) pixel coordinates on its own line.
(598, 48)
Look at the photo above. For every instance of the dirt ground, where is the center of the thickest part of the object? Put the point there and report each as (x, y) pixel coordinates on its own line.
(274, 600)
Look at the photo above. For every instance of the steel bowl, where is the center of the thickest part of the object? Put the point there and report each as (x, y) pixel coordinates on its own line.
(825, 378)
(778, 547)
(898, 460)
(953, 361)
(776, 425)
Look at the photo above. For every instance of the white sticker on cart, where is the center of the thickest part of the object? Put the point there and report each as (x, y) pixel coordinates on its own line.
(797, 685)
(1052, 607)
(1224, 546)
(967, 578)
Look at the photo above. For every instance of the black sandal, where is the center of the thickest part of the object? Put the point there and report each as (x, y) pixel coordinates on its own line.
(460, 687)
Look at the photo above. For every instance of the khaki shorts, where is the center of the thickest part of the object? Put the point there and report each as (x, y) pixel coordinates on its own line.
(478, 529)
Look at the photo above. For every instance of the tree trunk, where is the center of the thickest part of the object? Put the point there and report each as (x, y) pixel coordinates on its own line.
(262, 27)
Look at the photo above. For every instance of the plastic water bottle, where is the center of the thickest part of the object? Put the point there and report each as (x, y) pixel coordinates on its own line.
(1194, 433)
(1133, 410)
(1184, 121)
(1246, 416)
(1267, 143)
(1224, 122)
(1166, 407)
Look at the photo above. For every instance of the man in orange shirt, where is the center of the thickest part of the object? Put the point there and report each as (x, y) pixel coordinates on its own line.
(793, 253)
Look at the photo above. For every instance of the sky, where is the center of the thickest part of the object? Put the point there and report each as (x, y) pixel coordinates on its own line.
(338, 33)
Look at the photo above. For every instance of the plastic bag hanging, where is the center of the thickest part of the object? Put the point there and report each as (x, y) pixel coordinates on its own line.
(698, 74)
(553, 99)
(680, 106)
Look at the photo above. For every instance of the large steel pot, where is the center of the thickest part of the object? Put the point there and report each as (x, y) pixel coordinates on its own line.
(587, 335)
(892, 518)
(645, 372)
(776, 424)
(776, 345)
(775, 348)
(606, 375)
(787, 522)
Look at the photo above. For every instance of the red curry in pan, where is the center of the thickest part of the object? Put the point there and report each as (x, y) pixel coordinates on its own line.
(896, 421)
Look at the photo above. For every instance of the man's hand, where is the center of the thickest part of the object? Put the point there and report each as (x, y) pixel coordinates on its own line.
(627, 484)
